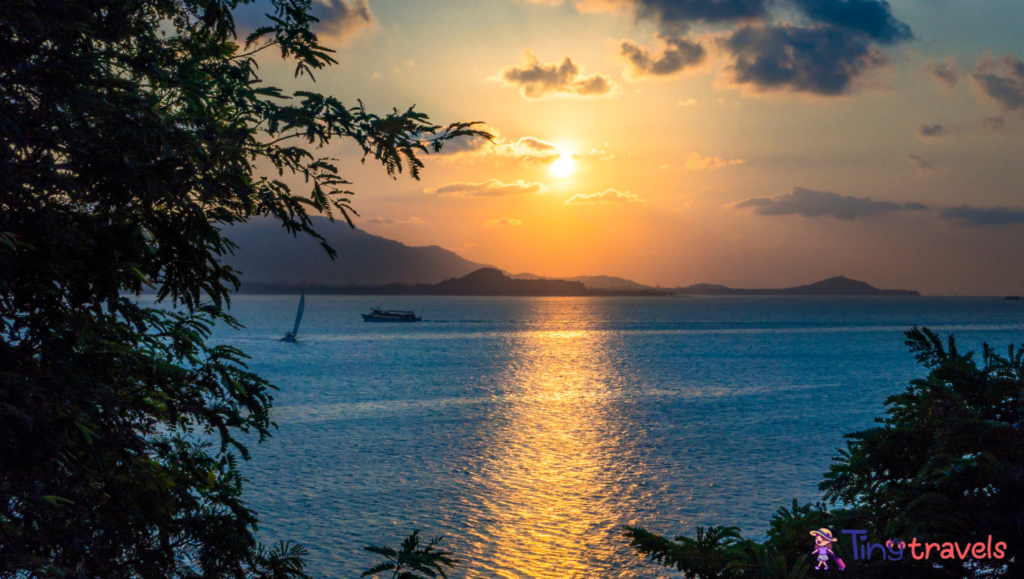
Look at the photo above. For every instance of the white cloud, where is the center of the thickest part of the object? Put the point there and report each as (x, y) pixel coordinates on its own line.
(489, 188)
(604, 197)
(504, 222)
(697, 161)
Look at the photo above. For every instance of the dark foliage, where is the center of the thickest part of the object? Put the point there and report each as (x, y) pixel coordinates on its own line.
(129, 132)
(945, 465)
(412, 561)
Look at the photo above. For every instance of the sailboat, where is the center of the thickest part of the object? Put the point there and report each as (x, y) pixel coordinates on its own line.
(290, 336)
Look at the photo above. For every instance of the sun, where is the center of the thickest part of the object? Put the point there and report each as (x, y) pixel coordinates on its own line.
(564, 166)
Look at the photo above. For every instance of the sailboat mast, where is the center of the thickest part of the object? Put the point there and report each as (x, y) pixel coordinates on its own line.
(298, 316)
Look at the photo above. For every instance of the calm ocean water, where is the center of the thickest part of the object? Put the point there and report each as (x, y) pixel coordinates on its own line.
(528, 430)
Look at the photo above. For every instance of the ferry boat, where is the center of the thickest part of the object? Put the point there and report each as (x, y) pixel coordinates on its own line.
(379, 315)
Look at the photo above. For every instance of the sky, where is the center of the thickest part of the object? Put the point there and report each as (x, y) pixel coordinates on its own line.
(751, 143)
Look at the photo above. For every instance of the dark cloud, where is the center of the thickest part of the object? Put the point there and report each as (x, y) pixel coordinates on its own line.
(996, 123)
(674, 15)
(968, 215)
(873, 18)
(930, 130)
(1003, 81)
(537, 80)
(341, 18)
(338, 18)
(823, 60)
(945, 72)
(679, 54)
(920, 162)
(810, 203)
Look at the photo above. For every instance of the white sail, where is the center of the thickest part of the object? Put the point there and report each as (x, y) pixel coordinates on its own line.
(298, 316)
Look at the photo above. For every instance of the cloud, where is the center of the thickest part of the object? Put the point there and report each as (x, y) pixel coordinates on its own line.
(527, 149)
(688, 102)
(469, 144)
(531, 150)
(607, 196)
(946, 72)
(670, 13)
(825, 58)
(537, 80)
(339, 19)
(873, 18)
(920, 162)
(821, 60)
(504, 222)
(391, 221)
(970, 216)
(489, 188)
(810, 203)
(930, 130)
(678, 54)
(996, 123)
(870, 18)
(1002, 81)
(696, 161)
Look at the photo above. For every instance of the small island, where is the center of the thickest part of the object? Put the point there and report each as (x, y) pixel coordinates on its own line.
(833, 286)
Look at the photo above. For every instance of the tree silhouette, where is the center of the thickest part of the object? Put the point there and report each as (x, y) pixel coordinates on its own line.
(130, 133)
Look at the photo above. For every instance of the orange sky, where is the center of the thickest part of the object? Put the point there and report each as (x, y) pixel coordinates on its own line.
(889, 152)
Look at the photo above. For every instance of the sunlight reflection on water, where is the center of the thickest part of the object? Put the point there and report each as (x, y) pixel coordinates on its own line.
(555, 500)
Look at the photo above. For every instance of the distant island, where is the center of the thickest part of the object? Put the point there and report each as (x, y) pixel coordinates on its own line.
(485, 281)
(489, 281)
(833, 286)
(595, 281)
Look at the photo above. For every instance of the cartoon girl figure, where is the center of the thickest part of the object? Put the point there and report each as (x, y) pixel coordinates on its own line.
(823, 548)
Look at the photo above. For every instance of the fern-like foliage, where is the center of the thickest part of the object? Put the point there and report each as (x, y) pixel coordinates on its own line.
(412, 561)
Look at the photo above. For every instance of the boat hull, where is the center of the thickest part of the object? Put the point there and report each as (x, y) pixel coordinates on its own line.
(373, 318)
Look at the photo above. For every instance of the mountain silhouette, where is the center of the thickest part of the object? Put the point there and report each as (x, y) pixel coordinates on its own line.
(272, 261)
(267, 255)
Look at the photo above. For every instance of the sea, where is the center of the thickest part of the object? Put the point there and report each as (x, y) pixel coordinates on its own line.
(527, 431)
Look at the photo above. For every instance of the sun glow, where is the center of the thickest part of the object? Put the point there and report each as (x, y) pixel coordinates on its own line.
(564, 166)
